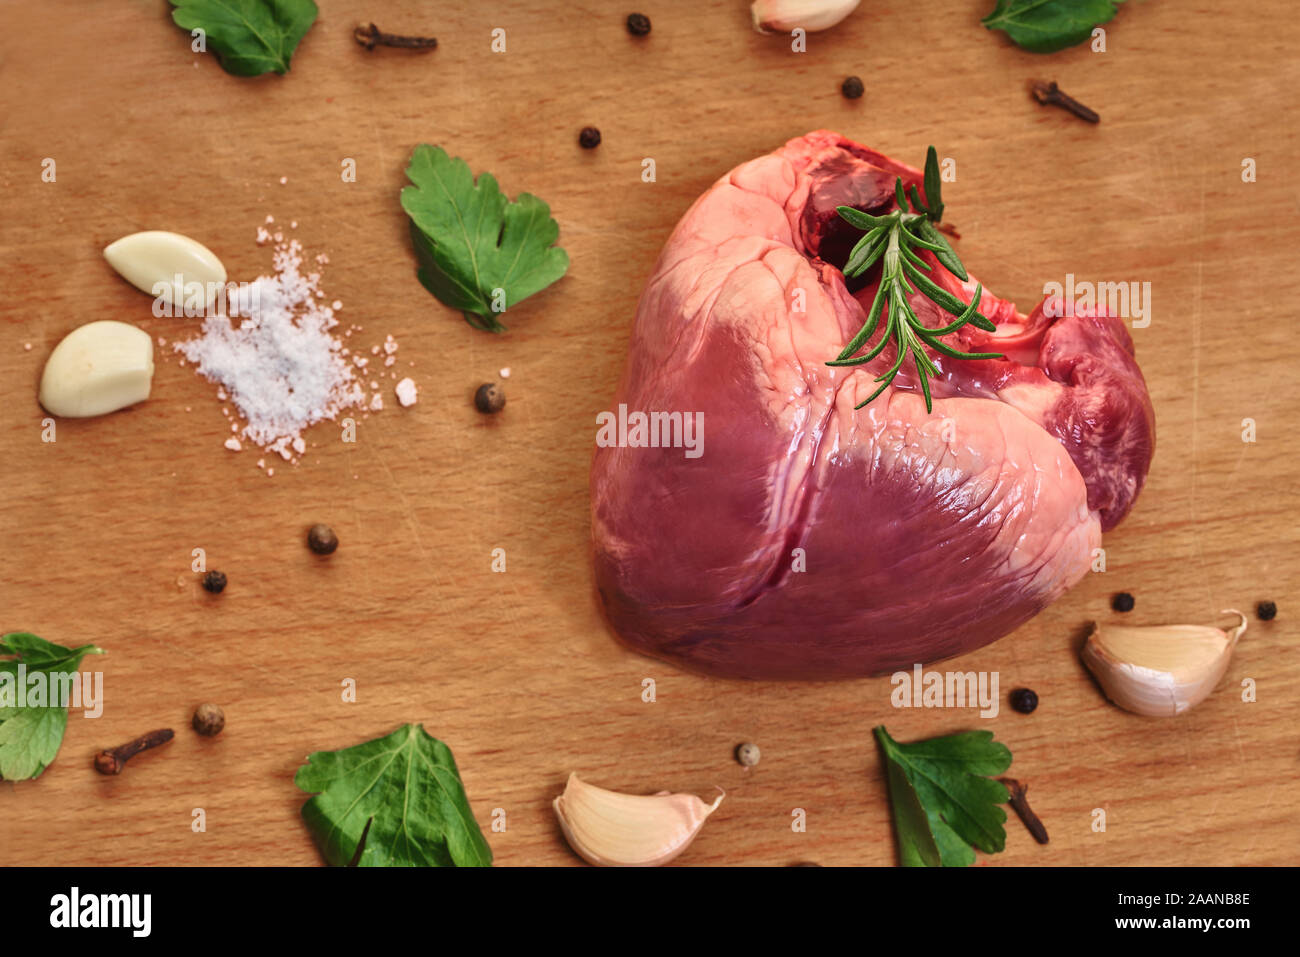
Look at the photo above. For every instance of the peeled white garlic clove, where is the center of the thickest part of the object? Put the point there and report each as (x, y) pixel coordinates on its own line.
(173, 268)
(611, 829)
(97, 368)
(782, 16)
(1160, 670)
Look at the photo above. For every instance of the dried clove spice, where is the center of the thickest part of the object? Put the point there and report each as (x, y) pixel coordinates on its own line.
(1020, 804)
(1049, 94)
(370, 36)
(112, 761)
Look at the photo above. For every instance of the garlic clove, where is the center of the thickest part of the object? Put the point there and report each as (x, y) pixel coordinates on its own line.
(97, 368)
(173, 268)
(612, 829)
(1160, 670)
(782, 16)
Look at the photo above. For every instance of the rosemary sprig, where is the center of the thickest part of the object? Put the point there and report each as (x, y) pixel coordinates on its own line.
(896, 237)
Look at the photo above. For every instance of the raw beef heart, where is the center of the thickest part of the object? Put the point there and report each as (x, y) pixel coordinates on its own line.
(804, 539)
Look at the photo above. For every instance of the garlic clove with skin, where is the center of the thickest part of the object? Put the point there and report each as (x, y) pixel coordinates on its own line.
(1160, 670)
(612, 829)
(782, 16)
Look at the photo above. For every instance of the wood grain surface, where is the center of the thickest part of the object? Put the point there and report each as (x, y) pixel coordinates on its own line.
(518, 672)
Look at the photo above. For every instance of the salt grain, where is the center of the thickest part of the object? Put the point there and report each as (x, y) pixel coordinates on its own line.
(233, 445)
(406, 392)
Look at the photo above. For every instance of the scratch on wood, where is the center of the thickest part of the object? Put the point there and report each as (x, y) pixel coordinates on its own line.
(407, 510)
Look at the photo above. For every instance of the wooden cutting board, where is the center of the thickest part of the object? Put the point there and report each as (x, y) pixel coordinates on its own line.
(517, 671)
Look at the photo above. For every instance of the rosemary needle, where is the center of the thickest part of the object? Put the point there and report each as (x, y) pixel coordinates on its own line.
(894, 240)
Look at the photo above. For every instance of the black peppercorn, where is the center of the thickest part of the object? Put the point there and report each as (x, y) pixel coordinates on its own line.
(638, 24)
(851, 87)
(1122, 602)
(589, 138)
(1024, 700)
(1266, 610)
(322, 540)
(215, 582)
(208, 720)
(489, 398)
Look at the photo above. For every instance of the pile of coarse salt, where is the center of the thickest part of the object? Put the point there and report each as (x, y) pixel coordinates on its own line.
(282, 367)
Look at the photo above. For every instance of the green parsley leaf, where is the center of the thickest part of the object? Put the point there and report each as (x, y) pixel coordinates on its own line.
(477, 251)
(30, 733)
(943, 798)
(249, 37)
(1045, 26)
(399, 798)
